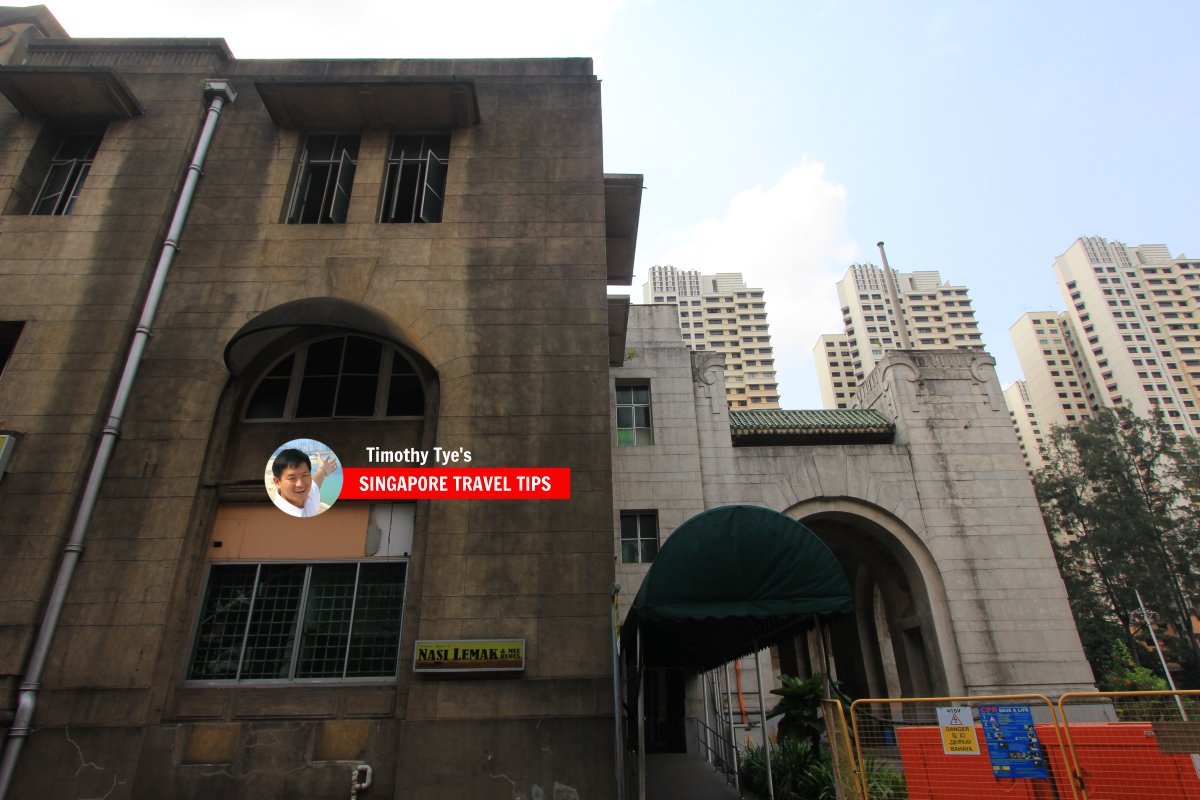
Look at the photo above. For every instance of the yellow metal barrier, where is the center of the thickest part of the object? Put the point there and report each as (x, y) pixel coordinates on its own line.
(937, 747)
(845, 766)
(1134, 744)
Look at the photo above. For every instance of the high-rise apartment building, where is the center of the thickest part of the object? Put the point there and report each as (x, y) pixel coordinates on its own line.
(720, 313)
(666, 279)
(935, 316)
(1025, 423)
(1130, 336)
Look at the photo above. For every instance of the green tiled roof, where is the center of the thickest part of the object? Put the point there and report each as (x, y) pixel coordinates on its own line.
(824, 421)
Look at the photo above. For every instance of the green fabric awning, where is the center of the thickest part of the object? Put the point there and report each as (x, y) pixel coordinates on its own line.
(731, 581)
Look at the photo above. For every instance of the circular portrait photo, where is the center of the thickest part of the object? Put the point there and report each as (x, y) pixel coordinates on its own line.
(303, 477)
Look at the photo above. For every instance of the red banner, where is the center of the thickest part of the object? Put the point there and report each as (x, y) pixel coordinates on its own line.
(483, 483)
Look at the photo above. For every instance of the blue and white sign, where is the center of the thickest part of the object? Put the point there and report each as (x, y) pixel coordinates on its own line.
(1012, 742)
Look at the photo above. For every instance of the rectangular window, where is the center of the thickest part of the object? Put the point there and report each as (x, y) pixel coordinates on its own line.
(299, 621)
(633, 415)
(324, 179)
(639, 537)
(68, 170)
(414, 186)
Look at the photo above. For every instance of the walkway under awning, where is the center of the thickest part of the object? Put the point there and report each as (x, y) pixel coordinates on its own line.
(729, 582)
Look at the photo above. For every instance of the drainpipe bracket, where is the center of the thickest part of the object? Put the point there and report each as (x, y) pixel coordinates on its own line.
(219, 88)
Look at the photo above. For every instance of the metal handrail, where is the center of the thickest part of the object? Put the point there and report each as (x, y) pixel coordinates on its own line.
(718, 754)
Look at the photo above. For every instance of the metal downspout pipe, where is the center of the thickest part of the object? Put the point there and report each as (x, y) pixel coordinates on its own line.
(218, 93)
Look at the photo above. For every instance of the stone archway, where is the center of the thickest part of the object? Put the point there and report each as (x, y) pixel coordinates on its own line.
(900, 640)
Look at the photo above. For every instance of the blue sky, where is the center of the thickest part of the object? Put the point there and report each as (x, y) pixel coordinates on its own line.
(782, 140)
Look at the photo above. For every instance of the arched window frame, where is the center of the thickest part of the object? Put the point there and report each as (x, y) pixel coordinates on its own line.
(390, 353)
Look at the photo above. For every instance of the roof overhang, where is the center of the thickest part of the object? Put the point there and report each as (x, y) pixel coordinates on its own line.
(618, 327)
(311, 314)
(622, 210)
(413, 105)
(69, 95)
(731, 581)
(780, 427)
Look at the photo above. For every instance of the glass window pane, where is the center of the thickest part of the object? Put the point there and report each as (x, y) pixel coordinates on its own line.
(273, 619)
(379, 610)
(339, 202)
(405, 396)
(624, 437)
(79, 145)
(362, 356)
(624, 417)
(435, 190)
(222, 625)
(316, 398)
(76, 186)
(439, 146)
(629, 526)
(356, 396)
(315, 187)
(283, 369)
(624, 395)
(400, 365)
(52, 190)
(320, 147)
(407, 191)
(406, 146)
(325, 357)
(641, 394)
(644, 436)
(348, 143)
(629, 552)
(326, 629)
(641, 417)
(269, 399)
(649, 550)
(390, 186)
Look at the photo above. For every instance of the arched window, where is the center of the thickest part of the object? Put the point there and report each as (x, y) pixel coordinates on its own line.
(339, 377)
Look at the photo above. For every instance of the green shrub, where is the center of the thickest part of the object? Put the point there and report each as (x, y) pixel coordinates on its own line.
(800, 773)
(883, 781)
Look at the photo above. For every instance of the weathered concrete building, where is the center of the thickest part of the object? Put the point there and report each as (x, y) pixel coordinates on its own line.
(437, 236)
(403, 255)
(921, 493)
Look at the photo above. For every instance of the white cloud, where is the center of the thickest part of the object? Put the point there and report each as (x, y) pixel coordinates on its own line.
(791, 240)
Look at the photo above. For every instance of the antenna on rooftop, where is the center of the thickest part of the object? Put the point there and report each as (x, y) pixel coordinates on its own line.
(894, 298)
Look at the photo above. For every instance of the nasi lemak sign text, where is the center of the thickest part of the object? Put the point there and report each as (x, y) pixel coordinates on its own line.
(470, 655)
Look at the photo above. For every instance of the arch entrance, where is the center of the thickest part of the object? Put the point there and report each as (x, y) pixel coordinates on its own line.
(899, 641)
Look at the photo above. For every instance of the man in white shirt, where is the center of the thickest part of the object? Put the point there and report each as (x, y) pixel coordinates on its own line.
(297, 488)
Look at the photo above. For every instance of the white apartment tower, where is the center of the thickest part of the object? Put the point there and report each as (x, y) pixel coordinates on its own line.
(936, 316)
(1057, 381)
(1026, 424)
(721, 313)
(1130, 335)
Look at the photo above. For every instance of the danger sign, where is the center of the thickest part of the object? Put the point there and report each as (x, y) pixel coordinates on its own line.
(958, 731)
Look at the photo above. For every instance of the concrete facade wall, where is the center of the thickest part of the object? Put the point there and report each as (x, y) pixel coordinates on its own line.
(505, 299)
(950, 499)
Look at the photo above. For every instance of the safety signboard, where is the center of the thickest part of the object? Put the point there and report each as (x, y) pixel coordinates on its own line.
(1012, 742)
(958, 731)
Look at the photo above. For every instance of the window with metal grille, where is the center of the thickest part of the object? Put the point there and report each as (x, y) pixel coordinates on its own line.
(414, 187)
(341, 377)
(324, 179)
(299, 621)
(68, 170)
(633, 415)
(639, 536)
